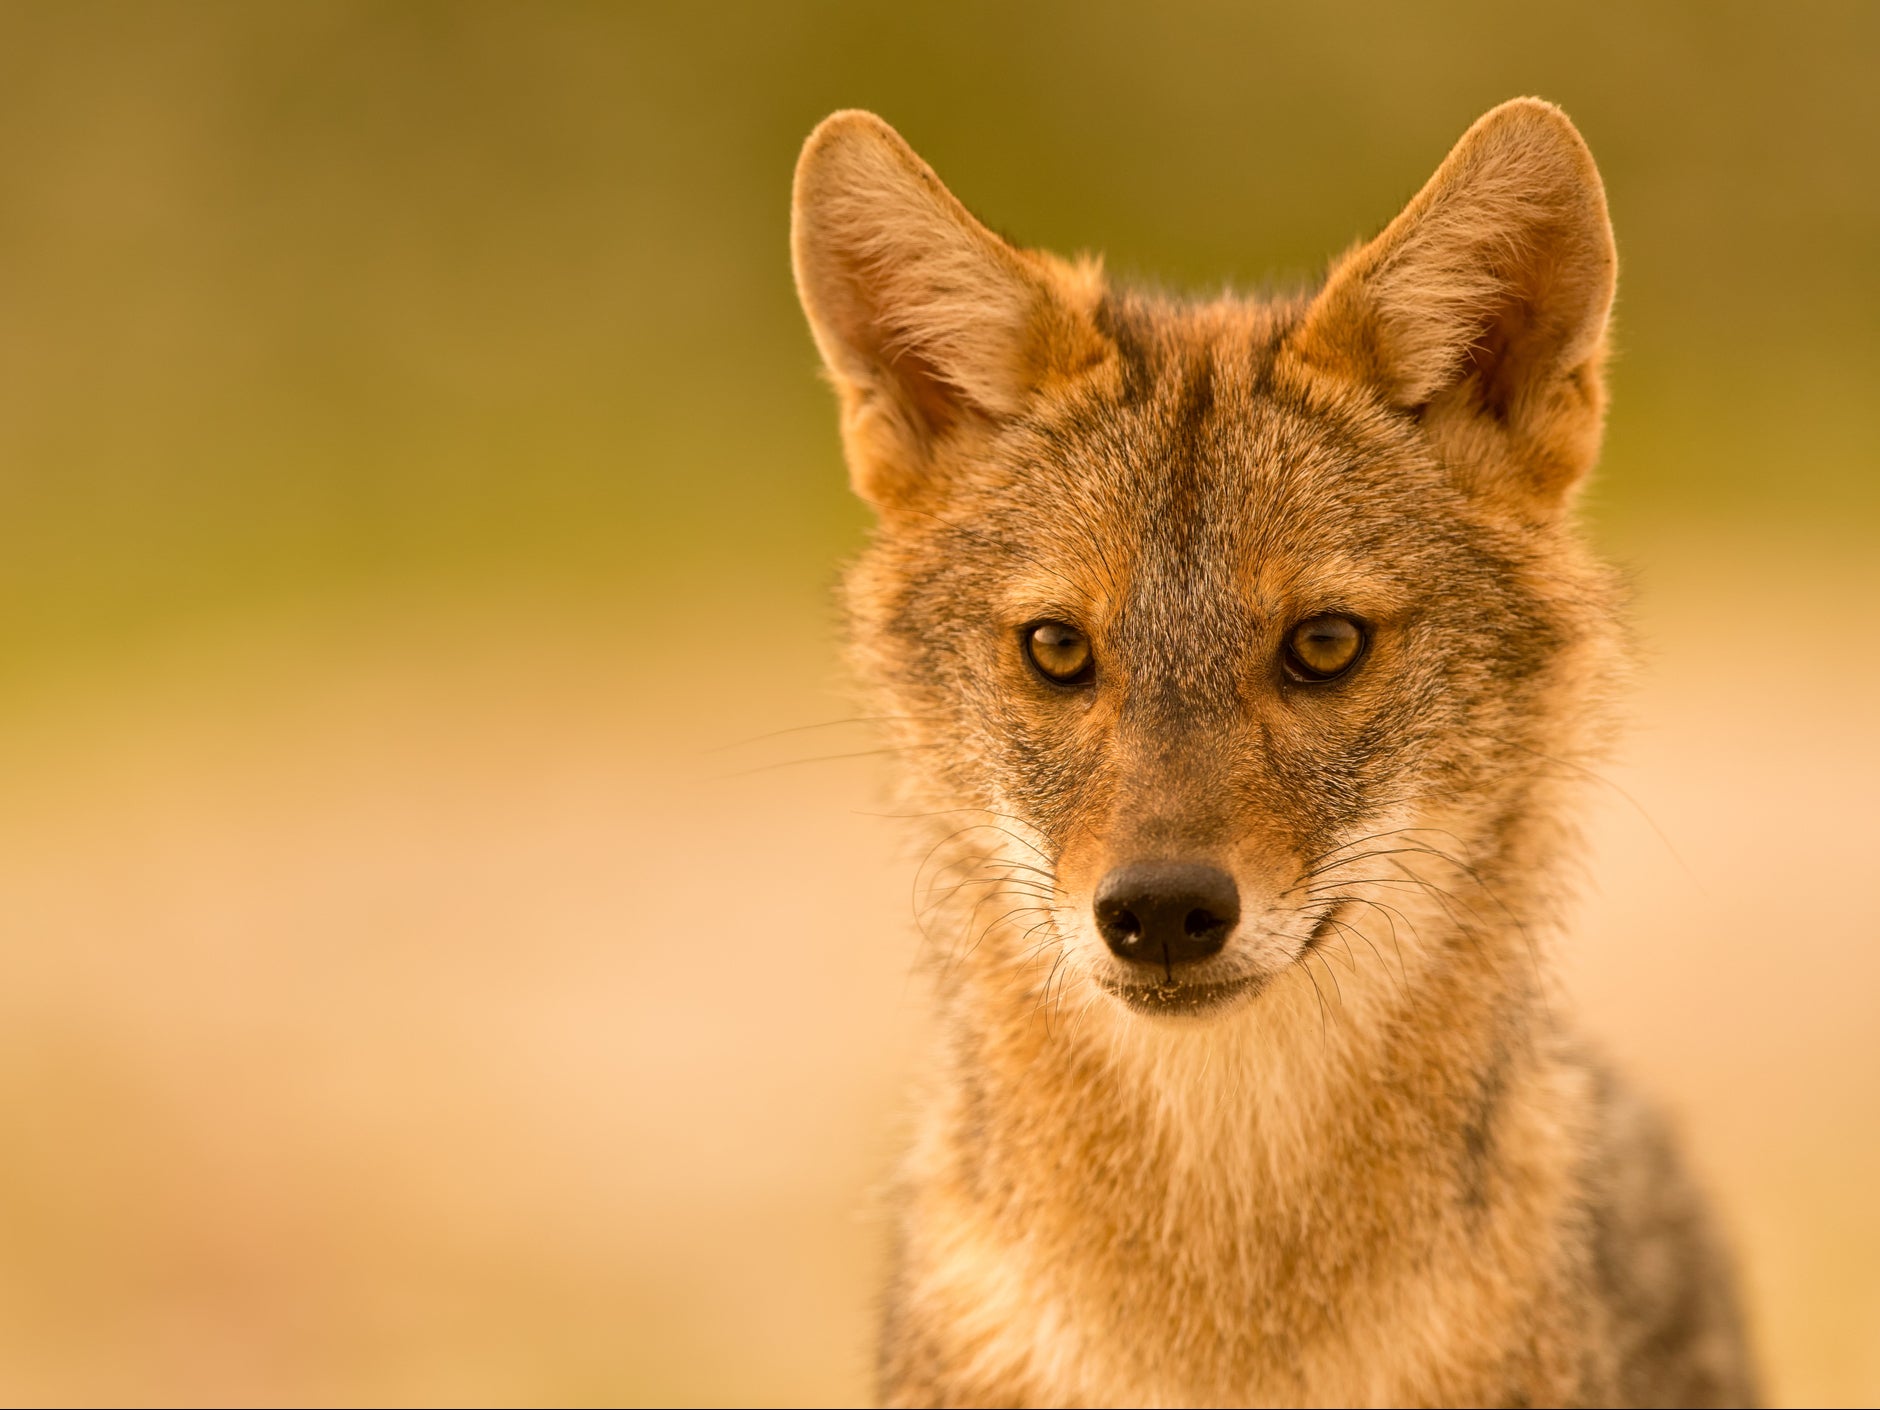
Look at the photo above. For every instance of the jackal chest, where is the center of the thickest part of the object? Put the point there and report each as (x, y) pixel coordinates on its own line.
(1233, 1316)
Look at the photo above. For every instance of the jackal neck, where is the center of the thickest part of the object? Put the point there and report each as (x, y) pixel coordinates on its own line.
(1378, 1057)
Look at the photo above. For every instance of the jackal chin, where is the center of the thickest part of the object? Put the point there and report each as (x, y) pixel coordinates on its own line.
(1247, 963)
(1184, 999)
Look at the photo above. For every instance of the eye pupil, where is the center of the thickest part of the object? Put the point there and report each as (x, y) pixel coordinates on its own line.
(1059, 652)
(1323, 647)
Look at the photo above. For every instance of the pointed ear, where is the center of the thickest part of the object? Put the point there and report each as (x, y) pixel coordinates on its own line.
(930, 325)
(1483, 307)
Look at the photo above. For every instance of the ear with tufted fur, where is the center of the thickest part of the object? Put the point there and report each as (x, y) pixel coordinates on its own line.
(928, 323)
(1483, 308)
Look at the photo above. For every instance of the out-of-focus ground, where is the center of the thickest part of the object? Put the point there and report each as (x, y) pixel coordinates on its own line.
(396, 1025)
(425, 976)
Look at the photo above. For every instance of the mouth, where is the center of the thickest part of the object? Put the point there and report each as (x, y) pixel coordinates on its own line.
(1174, 997)
(1183, 999)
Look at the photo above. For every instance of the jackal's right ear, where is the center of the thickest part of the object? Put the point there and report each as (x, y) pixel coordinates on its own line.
(930, 325)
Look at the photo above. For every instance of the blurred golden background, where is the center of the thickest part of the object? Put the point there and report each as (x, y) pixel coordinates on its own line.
(425, 975)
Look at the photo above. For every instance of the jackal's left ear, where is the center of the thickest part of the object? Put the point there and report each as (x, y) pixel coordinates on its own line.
(930, 325)
(1483, 307)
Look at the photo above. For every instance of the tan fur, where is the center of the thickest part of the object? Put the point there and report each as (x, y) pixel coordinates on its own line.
(1382, 1171)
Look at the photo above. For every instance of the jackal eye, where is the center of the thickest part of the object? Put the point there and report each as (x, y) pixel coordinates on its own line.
(1059, 651)
(1323, 647)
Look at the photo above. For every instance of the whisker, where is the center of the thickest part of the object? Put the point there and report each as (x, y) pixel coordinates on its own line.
(1307, 969)
(1600, 778)
(1388, 911)
(987, 812)
(1402, 979)
(820, 759)
(824, 724)
(1383, 852)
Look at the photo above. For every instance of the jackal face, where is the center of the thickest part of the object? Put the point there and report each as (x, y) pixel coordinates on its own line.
(1223, 615)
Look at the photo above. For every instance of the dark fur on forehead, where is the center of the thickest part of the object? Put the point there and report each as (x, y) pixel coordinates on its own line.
(1160, 344)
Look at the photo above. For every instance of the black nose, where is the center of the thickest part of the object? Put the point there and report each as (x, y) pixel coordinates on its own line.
(1167, 912)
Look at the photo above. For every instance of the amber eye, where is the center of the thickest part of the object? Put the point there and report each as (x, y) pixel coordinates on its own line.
(1059, 651)
(1323, 647)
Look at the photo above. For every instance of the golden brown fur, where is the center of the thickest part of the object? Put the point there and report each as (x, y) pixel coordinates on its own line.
(1357, 1157)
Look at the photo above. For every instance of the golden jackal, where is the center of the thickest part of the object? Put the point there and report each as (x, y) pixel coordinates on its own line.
(1246, 658)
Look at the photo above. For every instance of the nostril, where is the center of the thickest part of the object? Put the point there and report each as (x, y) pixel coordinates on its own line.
(1166, 912)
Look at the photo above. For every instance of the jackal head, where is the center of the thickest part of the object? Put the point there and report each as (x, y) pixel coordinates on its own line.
(1226, 616)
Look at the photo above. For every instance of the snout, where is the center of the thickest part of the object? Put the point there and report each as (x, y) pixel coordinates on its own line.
(1166, 914)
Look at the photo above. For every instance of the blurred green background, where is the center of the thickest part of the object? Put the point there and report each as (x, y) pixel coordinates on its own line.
(308, 297)
(412, 457)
